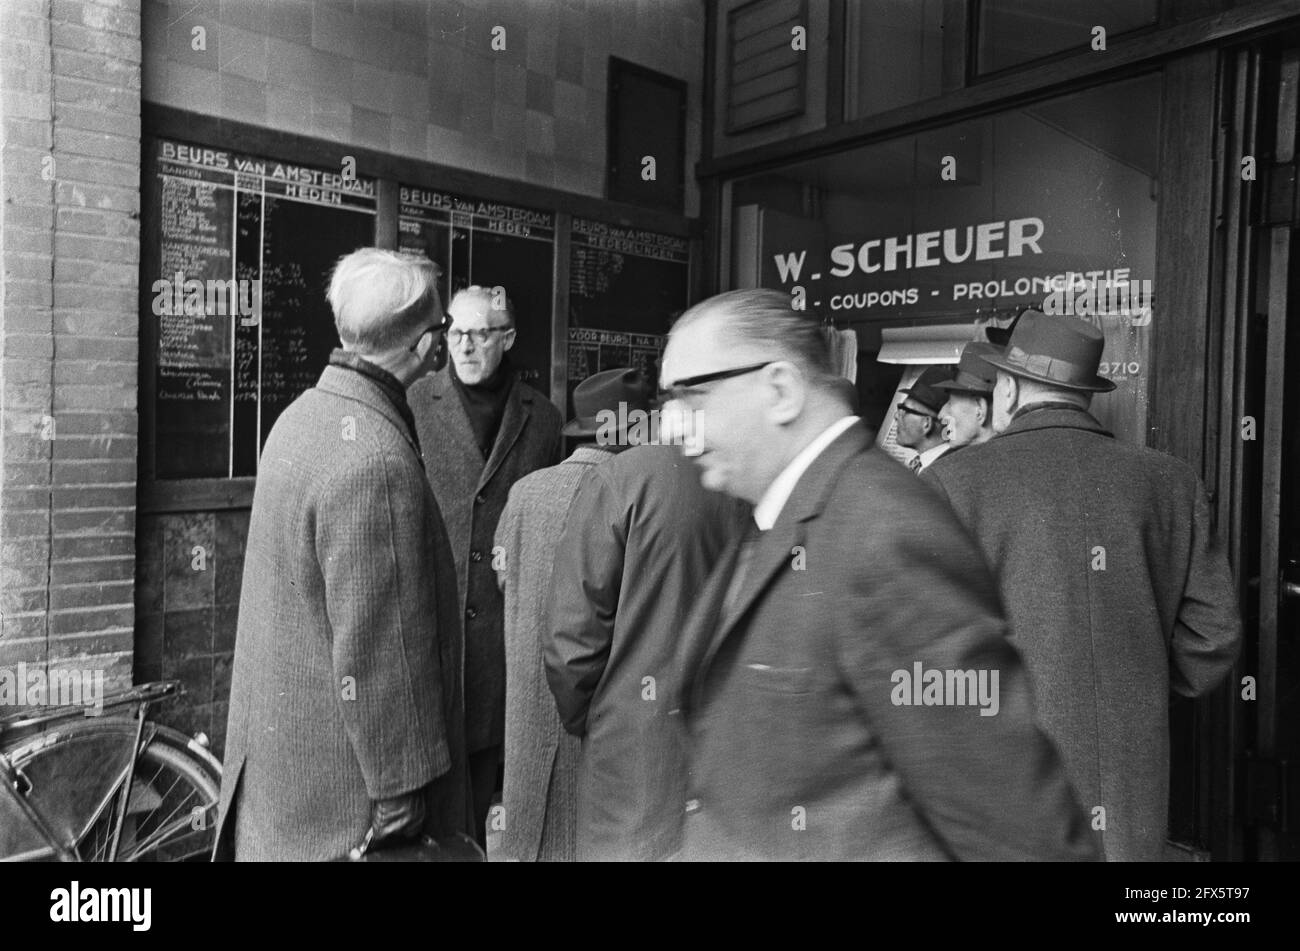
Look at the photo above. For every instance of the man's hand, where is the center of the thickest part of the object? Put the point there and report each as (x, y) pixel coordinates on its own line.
(394, 821)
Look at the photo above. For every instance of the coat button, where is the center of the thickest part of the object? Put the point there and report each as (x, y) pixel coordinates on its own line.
(476, 556)
(480, 499)
(692, 805)
(471, 613)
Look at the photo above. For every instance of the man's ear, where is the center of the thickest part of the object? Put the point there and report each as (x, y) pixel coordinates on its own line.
(509, 340)
(791, 388)
(984, 410)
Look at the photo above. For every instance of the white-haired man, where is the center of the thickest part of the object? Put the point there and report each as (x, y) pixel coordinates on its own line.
(345, 727)
(816, 727)
(490, 429)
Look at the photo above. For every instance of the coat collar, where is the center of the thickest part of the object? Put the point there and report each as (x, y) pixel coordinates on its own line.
(1053, 416)
(519, 407)
(345, 382)
(773, 549)
(589, 456)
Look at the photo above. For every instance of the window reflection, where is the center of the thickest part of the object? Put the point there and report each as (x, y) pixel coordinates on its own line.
(971, 223)
(1012, 32)
(894, 54)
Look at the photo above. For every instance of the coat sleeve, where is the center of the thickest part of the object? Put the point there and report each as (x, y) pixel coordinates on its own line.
(585, 586)
(378, 579)
(985, 778)
(1207, 631)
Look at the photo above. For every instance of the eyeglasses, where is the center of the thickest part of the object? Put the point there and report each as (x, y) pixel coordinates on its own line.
(480, 337)
(679, 390)
(431, 329)
(900, 408)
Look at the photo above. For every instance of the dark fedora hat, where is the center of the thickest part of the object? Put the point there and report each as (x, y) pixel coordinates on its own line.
(974, 375)
(605, 391)
(925, 391)
(1057, 350)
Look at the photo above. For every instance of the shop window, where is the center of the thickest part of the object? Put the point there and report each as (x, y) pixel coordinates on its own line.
(1014, 32)
(1052, 205)
(893, 55)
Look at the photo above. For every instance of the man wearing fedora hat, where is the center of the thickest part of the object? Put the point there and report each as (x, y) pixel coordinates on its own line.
(639, 541)
(917, 417)
(967, 415)
(1116, 589)
(541, 759)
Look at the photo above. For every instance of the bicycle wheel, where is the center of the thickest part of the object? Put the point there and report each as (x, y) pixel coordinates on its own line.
(75, 777)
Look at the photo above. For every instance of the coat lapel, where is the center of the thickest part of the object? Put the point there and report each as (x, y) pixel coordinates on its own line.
(774, 549)
(518, 409)
(451, 423)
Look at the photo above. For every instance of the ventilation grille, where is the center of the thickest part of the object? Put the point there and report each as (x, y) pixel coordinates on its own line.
(766, 76)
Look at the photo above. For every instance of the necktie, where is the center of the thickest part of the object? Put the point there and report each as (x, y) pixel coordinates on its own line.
(915, 464)
(747, 545)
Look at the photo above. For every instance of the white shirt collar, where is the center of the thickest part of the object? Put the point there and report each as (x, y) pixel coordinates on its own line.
(778, 493)
(933, 453)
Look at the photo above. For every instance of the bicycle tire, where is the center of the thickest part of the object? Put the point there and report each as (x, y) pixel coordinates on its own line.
(75, 776)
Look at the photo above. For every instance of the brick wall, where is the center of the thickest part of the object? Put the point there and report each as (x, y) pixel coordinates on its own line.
(69, 249)
(420, 78)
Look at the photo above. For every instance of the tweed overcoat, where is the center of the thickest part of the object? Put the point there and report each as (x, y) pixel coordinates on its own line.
(346, 684)
(471, 494)
(541, 769)
(640, 540)
(810, 735)
(1117, 592)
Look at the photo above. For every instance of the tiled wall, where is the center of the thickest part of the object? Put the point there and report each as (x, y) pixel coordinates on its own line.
(420, 78)
(188, 571)
(406, 77)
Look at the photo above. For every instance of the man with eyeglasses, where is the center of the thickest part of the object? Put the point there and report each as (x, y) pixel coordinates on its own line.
(917, 417)
(854, 583)
(346, 727)
(483, 429)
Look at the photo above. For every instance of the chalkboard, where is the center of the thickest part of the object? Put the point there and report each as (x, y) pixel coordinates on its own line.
(625, 288)
(476, 241)
(228, 364)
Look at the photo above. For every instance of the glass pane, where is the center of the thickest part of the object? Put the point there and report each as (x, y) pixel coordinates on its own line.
(1012, 32)
(894, 54)
(957, 227)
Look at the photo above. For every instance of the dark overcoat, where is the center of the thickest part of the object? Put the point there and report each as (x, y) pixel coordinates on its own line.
(539, 795)
(471, 493)
(801, 744)
(346, 684)
(641, 539)
(1117, 592)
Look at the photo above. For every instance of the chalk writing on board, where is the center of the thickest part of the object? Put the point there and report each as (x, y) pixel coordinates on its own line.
(221, 383)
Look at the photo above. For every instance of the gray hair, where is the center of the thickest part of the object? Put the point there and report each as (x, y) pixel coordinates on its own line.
(382, 299)
(765, 318)
(494, 298)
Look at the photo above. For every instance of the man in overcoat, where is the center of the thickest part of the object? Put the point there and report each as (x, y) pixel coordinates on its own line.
(346, 721)
(640, 540)
(483, 429)
(852, 693)
(1117, 590)
(539, 792)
